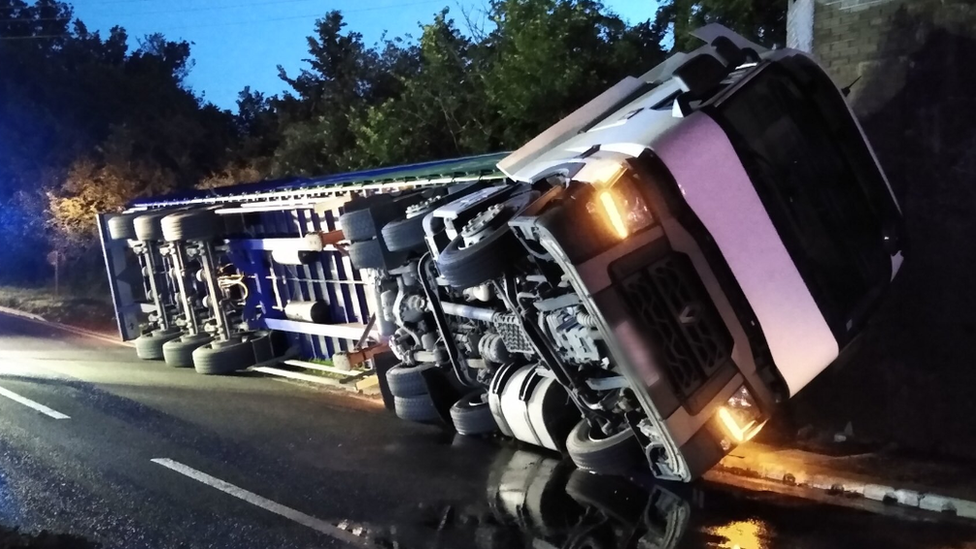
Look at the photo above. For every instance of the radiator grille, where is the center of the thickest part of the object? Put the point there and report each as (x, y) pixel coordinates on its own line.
(671, 300)
(512, 335)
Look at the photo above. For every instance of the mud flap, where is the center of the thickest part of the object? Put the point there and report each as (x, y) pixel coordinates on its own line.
(443, 392)
(124, 280)
(382, 364)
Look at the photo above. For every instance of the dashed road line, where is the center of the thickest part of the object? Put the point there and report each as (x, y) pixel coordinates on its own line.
(264, 503)
(31, 404)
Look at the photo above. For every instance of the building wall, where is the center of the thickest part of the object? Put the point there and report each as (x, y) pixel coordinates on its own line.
(912, 379)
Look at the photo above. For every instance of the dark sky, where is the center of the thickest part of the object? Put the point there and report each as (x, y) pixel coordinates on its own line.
(239, 42)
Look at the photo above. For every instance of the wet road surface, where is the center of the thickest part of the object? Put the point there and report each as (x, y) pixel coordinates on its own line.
(154, 457)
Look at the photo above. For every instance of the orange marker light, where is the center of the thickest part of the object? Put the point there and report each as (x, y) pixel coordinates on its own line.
(741, 434)
(616, 220)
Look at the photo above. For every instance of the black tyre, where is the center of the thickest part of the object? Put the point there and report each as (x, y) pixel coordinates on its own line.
(404, 234)
(418, 408)
(408, 234)
(367, 255)
(474, 265)
(120, 227)
(407, 381)
(148, 227)
(223, 357)
(472, 415)
(363, 217)
(150, 346)
(192, 225)
(465, 266)
(178, 352)
(615, 454)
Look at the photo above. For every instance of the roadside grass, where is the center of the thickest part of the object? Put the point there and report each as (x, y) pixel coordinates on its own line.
(320, 373)
(93, 312)
(326, 362)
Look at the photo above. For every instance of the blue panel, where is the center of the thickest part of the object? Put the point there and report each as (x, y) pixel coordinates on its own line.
(253, 264)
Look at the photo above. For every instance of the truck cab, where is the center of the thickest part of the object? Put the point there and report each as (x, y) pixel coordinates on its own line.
(727, 230)
(657, 272)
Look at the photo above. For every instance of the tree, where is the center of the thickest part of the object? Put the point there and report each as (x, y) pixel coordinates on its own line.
(90, 188)
(551, 56)
(452, 94)
(232, 175)
(763, 21)
(172, 58)
(86, 124)
(441, 109)
(316, 136)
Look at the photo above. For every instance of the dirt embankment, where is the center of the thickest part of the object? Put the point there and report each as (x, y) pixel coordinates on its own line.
(93, 312)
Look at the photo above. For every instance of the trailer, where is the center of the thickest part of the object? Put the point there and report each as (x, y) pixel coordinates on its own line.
(641, 285)
(258, 265)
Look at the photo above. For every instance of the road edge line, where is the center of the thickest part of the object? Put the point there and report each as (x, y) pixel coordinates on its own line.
(21, 314)
(847, 487)
(73, 329)
(294, 515)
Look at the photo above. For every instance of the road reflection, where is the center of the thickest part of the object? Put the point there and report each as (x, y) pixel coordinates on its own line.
(547, 503)
(524, 499)
(535, 501)
(743, 534)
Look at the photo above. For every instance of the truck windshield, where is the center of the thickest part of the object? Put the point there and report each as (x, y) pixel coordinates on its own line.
(808, 163)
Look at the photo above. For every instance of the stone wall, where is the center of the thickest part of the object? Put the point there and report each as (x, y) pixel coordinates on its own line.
(913, 377)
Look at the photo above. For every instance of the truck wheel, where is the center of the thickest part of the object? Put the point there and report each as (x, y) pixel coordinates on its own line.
(363, 217)
(148, 227)
(367, 255)
(192, 225)
(120, 227)
(223, 357)
(465, 266)
(418, 408)
(150, 346)
(407, 381)
(178, 352)
(472, 415)
(408, 233)
(404, 234)
(615, 454)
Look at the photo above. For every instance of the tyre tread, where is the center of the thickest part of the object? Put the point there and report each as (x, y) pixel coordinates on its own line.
(418, 408)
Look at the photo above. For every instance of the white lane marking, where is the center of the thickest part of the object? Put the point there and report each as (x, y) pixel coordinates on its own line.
(31, 404)
(264, 503)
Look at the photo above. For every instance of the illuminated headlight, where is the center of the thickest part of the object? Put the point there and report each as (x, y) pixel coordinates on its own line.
(740, 416)
(621, 205)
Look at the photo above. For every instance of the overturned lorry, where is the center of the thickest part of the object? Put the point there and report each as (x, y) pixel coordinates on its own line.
(639, 286)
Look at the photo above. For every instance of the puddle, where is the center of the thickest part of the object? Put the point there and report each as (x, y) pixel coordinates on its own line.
(533, 500)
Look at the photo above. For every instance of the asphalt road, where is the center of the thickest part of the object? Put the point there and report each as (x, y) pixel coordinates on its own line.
(156, 457)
